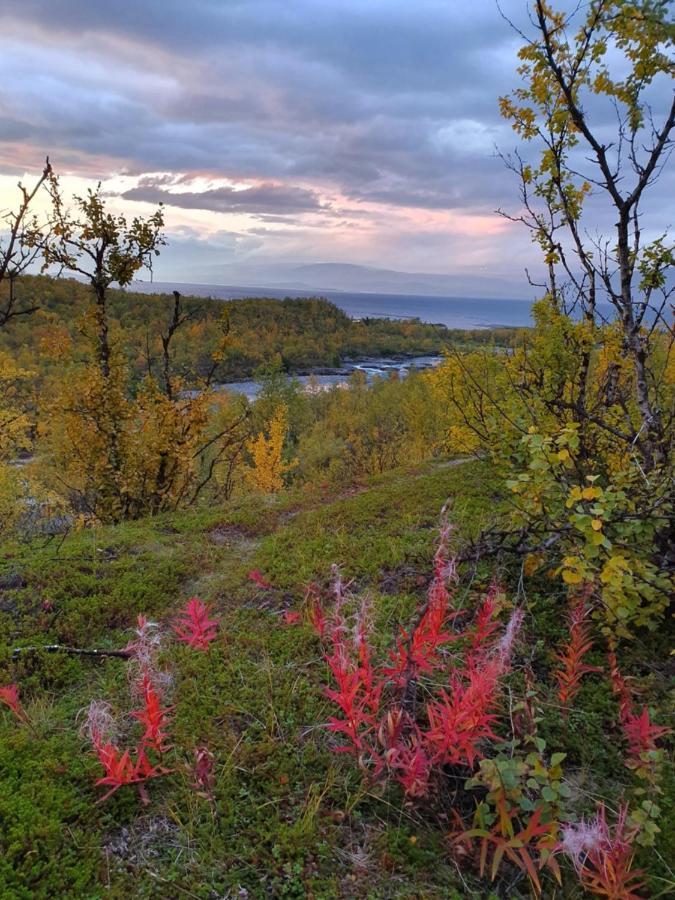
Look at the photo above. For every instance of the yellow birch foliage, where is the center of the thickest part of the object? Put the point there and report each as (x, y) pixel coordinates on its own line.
(14, 436)
(266, 451)
(124, 456)
(14, 421)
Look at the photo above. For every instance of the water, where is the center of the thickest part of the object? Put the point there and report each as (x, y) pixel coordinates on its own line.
(372, 369)
(454, 312)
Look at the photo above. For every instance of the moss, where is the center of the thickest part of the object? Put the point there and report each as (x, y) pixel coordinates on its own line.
(290, 819)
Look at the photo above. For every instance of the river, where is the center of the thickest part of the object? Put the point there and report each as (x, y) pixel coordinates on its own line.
(372, 368)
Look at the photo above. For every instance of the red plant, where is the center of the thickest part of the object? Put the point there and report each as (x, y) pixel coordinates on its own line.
(193, 625)
(144, 651)
(357, 691)
(202, 772)
(9, 696)
(121, 769)
(316, 614)
(603, 860)
(411, 766)
(124, 767)
(619, 686)
(641, 735)
(417, 650)
(534, 837)
(292, 617)
(390, 729)
(485, 624)
(153, 718)
(571, 657)
(258, 578)
(462, 718)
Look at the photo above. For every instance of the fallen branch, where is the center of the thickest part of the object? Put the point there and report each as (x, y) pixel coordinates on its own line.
(72, 651)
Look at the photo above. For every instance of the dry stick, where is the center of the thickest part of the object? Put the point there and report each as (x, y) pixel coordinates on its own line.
(72, 651)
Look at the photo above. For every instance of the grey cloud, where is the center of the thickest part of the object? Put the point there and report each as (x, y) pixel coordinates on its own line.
(373, 99)
(284, 87)
(259, 199)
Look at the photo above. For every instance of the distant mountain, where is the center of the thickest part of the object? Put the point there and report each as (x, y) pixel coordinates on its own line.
(318, 277)
(346, 277)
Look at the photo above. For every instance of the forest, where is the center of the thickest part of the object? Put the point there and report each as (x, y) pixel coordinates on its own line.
(296, 335)
(409, 638)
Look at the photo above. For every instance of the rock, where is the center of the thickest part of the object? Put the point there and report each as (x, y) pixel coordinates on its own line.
(13, 581)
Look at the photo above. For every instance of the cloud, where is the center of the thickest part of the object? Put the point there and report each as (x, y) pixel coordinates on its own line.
(375, 119)
(258, 199)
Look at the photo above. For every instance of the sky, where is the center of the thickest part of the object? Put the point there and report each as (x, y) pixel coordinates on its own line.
(276, 132)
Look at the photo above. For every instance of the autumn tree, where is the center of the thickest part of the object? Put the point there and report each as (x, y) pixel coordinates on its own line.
(24, 240)
(618, 52)
(578, 418)
(268, 466)
(103, 248)
(120, 447)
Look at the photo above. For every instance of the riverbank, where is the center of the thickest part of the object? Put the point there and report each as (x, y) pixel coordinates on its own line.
(323, 378)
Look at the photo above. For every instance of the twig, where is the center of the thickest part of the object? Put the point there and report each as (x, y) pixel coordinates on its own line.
(72, 651)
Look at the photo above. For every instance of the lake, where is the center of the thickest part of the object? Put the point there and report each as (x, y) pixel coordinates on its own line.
(454, 312)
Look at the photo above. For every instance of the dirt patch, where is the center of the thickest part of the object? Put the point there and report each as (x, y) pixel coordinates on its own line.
(449, 463)
(271, 600)
(403, 580)
(226, 535)
(147, 841)
(13, 581)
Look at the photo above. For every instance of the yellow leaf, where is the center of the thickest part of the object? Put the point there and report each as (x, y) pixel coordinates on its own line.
(571, 577)
(531, 563)
(590, 493)
(596, 524)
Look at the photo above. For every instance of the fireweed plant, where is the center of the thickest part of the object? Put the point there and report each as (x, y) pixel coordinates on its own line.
(149, 684)
(444, 713)
(430, 715)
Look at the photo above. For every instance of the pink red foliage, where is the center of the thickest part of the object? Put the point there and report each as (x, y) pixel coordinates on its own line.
(460, 719)
(9, 697)
(485, 624)
(153, 717)
(572, 667)
(121, 768)
(194, 627)
(641, 735)
(391, 727)
(316, 614)
(203, 772)
(417, 650)
(134, 766)
(602, 857)
(259, 579)
(292, 617)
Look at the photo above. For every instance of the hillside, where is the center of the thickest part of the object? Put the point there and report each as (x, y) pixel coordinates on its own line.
(289, 818)
(297, 334)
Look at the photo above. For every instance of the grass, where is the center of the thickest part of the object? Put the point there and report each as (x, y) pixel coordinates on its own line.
(290, 818)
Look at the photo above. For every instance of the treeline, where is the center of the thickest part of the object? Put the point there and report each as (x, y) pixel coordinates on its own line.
(297, 334)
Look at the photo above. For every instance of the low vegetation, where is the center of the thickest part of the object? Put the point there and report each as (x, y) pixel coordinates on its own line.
(256, 798)
(398, 639)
